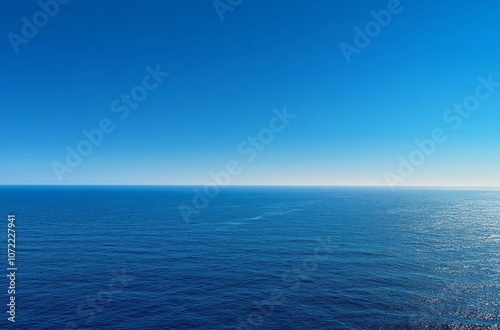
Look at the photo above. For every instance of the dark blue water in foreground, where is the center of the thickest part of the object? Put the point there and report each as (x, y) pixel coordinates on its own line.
(254, 258)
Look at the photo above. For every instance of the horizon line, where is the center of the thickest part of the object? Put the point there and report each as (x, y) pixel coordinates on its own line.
(244, 185)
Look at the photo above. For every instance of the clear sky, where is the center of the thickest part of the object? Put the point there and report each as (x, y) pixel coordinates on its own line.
(357, 114)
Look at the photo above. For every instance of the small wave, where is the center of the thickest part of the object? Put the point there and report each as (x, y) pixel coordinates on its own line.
(256, 218)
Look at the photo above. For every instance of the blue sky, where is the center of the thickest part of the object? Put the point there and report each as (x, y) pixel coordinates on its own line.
(355, 122)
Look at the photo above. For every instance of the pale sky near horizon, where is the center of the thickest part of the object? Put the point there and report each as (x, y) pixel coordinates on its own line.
(326, 106)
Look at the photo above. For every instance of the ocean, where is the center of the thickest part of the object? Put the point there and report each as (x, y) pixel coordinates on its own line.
(123, 257)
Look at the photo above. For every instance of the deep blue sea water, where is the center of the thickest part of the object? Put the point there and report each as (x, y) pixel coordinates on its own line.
(254, 258)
